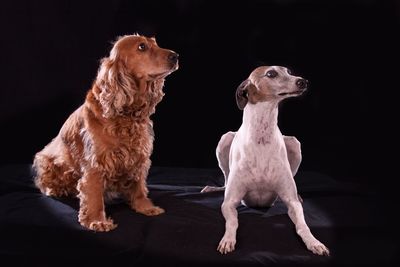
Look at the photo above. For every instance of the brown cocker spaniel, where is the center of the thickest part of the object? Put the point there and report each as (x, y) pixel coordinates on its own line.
(104, 147)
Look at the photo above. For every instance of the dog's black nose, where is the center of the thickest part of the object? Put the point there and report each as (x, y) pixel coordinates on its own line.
(173, 57)
(302, 84)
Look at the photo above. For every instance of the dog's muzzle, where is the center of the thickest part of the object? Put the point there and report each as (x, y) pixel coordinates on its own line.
(302, 84)
(173, 57)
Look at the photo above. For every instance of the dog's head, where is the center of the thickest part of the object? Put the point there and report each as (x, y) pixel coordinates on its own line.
(130, 80)
(272, 83)
(143, 58)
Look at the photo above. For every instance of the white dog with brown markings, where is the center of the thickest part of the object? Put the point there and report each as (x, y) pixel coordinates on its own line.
(258, 162)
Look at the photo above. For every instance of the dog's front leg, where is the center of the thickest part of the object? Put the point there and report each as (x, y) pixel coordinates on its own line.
(91, 211)
(228, 241)
(139, 200)
(141, 203)
(295, 211)
(233, 196)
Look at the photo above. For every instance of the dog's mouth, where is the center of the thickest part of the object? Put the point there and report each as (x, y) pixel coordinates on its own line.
(295, 93)
(165, 73)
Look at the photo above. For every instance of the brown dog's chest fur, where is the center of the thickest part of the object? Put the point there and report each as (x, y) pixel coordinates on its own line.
(131, 146)
(117, 148)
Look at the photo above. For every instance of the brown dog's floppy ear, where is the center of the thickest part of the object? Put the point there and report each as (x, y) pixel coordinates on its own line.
(242, 93)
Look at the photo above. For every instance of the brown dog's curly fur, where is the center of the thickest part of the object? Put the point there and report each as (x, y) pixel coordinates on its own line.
(105, 145)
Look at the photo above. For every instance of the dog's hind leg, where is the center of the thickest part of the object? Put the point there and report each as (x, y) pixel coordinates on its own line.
(293, 149)
(53, 176)
(222, 153)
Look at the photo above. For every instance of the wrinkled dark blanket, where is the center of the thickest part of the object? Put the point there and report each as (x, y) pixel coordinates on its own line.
(36, 230)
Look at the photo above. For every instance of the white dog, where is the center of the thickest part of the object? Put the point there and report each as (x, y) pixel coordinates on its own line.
(258, 162)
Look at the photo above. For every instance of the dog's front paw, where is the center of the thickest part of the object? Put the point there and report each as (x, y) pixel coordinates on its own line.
(100, 226)
(226, 245)
(145, 206)
(318, 248)
(153, 211)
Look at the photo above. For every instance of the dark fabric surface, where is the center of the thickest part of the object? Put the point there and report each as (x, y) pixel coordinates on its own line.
(353, 221)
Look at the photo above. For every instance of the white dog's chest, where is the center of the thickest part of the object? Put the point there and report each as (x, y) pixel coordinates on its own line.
(264, 164)
(262, 168)
(265, 158)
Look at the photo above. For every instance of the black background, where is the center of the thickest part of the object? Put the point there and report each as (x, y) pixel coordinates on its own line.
(348, 50)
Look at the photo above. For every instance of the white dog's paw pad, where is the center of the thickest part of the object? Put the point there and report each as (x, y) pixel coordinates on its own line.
(226, 245)
(319, 249)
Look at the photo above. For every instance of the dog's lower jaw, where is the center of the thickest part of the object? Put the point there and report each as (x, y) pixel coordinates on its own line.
(164, 74)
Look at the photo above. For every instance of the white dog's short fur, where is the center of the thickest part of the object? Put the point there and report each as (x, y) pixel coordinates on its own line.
(258, 162)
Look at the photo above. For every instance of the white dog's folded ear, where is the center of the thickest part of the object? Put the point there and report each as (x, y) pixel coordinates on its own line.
(242, 93)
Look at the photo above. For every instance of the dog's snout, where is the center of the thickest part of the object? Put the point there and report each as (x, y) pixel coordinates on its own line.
(173, 57)
(302, 84)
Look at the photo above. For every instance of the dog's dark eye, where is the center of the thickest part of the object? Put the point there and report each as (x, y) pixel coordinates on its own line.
(271, 74)
(289, 71)
(142, 47)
